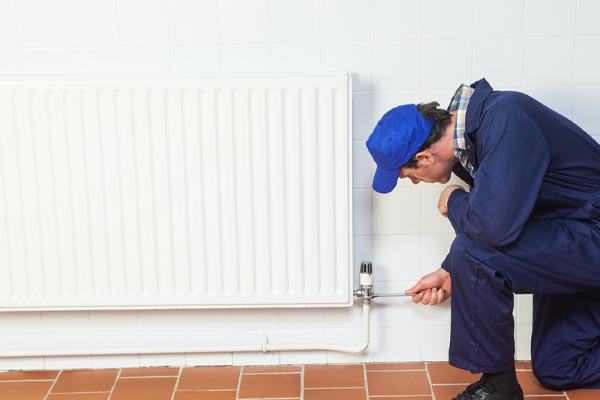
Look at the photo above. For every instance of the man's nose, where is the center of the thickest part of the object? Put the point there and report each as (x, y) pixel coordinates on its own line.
(414, 180)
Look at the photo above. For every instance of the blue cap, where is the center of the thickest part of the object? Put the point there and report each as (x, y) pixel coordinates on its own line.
(397, 137)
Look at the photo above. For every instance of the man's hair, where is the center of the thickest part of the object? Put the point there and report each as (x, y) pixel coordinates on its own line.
(442, 119)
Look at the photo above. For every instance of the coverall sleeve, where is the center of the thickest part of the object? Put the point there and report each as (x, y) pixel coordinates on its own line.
(513, 158)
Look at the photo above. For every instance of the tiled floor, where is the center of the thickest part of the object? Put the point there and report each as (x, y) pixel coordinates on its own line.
(403, 381)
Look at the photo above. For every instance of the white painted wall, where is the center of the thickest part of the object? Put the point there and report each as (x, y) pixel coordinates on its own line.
(398, 51)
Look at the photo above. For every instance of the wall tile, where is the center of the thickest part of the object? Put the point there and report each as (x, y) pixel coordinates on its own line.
(206, 319)
(126, 361)
(362, 166)
(43, 23)
(193, 22)
(151, 360)
(45, 61)
(209, 359)
(107, 321)
(8, 25)
(145, 60)
(397, 344)
(98, 60)
(94, 23)
(21, 363)
(494, 18)
(383, 102)
(313, 318)
(539, 53)
(499, 60)
(361, 115)
(585, 101)
(345, 20)
(396, 65)
(587, 17)
(586, 60)
(560, 99)
(394, 311)
(435, 341)
(244, 319)
(398, 212)
(439, 18)
(362, 251)
(395, 20)
(296, 57)
(245, 21)
(347, 337)
(9, 62)
(437, 315)
(56, 363)
(550, 17)
(143, 22)
(434, 248)
(443, 66)
(396, 257)
(351, 57)
(524, 305)
(431, 220)
(245, 58)
(522, 341)
(195, 59)
(294, 21)
(362, 212)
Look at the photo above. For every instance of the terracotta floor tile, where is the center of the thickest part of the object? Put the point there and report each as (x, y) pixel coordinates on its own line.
(395, 366)
(531, 386)
(270, 386)
(333, 376)
(445, 373)
(24, 390)
(584, 394)
(396, 383)
(215, 395)
(28, 375)
(144, 389)
(79, 396)
(127, 372)
(334, 394)
(209, 378)
(272, 369)
(447, 392)
(85, 381)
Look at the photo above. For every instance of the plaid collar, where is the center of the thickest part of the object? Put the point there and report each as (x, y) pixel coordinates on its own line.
(459, 104)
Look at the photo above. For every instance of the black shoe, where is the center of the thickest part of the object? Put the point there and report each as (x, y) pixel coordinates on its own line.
(483, 391)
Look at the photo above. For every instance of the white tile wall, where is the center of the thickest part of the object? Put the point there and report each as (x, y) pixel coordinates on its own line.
(397, 51)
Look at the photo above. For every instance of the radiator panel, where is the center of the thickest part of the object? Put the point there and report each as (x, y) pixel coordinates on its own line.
(175, 193)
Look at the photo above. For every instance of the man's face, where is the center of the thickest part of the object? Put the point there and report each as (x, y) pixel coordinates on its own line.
(427, 172)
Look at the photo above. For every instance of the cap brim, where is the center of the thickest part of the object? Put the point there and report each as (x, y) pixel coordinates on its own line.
(385, 180)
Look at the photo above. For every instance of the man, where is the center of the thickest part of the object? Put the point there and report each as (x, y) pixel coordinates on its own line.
(529, 224)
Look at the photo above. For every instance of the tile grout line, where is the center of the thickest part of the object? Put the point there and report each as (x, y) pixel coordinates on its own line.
(239, 385)
(53, 384)
(429, 381)
(302, 382)
(112, 389)
(177, 383)
(366, 381)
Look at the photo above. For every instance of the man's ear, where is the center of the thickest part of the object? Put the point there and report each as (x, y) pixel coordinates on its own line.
(424, 158)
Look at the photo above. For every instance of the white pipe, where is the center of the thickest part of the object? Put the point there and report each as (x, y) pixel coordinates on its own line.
(264, 347)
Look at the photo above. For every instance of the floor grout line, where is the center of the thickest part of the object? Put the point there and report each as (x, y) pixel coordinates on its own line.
(112, 389)
(239, 385)
(52, 386)
(365, 376)
(429, 381)
(177, 383)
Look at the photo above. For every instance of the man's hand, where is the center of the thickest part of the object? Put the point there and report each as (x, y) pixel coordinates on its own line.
(433, 288)
(443, 201)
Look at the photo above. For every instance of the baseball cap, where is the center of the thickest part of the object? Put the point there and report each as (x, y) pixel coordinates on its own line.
(397, 137)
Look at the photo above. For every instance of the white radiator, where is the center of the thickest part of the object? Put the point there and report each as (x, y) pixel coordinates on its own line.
(175, 193)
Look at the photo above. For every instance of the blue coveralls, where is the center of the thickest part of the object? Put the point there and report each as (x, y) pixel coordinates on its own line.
(531, 224)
